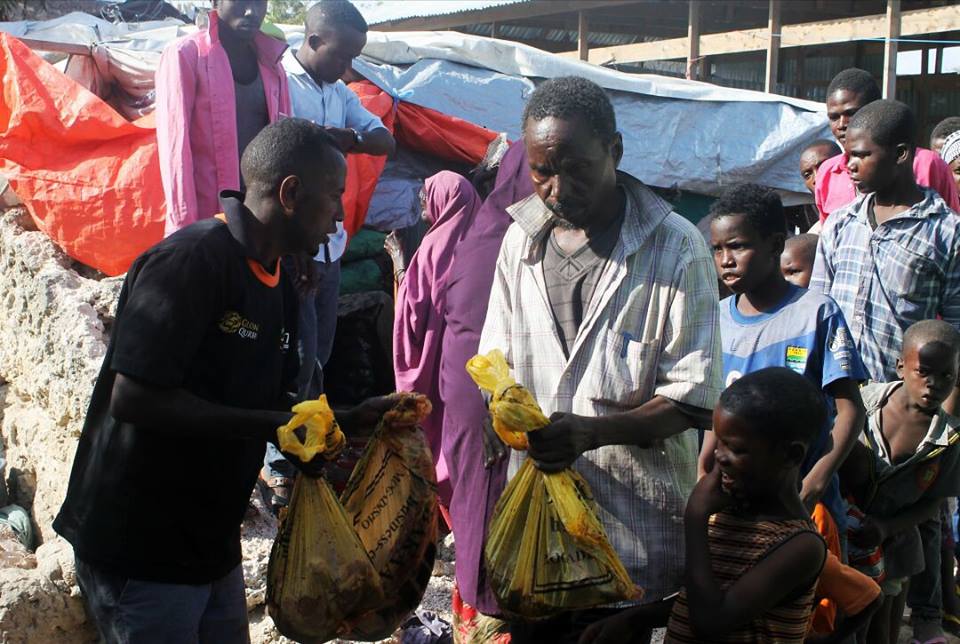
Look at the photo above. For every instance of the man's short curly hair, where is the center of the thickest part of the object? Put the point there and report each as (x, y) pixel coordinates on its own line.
(761, 206)
(858, 81)
(569, 97)
(335, 13)
(887, 122)
(284, 148)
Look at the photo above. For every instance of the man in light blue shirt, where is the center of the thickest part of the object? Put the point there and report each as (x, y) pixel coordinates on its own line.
(334, 34)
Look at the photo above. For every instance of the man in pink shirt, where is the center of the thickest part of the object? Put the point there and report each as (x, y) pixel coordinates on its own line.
(216, 89)
(848, 92)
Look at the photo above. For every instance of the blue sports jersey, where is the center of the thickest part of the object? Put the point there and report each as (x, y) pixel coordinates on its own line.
(806, 333)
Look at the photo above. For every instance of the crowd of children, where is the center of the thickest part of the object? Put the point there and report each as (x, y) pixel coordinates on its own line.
(824, 488)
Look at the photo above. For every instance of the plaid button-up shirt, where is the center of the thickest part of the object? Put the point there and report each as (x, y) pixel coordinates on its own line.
(886, 279)
(651, 328)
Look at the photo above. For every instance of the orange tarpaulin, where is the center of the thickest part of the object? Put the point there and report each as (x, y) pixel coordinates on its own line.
(363, 170)
(87, 176)
(90, 179)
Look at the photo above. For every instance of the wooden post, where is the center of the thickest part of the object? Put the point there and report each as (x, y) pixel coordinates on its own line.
(583, 45)
(890, 50)
(693, 40)
(773, 47)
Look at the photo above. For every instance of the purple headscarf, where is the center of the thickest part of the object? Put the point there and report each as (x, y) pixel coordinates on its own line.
(475, 488)
(451, 204)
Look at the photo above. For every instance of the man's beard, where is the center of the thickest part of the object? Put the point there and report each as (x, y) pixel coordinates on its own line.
(561, 218)
(563, 224)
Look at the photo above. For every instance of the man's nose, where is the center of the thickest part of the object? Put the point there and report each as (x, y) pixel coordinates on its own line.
(720, 456)
(555, 186)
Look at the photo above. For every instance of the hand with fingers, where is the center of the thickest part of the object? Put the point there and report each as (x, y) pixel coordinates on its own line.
(556, 446)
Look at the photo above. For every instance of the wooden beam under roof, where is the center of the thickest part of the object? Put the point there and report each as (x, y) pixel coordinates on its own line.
(520, 10)
(890, 50)
(774, 26)
(912, 23)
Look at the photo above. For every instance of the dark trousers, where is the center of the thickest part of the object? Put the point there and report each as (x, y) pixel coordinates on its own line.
(131, 611)
(923, 596)
(565, 628)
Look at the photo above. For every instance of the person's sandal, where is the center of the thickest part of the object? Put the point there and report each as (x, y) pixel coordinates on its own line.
(275, 491)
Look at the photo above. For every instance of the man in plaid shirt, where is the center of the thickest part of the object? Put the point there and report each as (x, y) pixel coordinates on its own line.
(889, 258)
(605, 305)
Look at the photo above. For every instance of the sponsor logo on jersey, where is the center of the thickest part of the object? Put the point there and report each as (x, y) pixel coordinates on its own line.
(839, 341)
(234, 323)
(796, 358)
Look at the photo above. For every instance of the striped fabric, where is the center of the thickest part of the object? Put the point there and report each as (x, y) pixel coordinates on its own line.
(886, 279)
(736, 546)
(651, 328)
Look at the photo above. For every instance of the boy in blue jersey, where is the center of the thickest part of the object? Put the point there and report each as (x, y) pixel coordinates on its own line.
(769, 322)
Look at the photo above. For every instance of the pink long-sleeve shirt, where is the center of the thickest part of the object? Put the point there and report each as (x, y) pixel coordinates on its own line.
(835, 188)
(197, 121)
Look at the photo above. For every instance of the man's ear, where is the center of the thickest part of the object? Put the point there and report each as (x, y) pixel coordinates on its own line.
(903, 153)
(796, 452)
(900, 368)
(314, 41)
(289, 193)
(616, 149)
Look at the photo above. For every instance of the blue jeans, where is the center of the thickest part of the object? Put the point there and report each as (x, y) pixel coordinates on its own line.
(131, 611)
(316, 327)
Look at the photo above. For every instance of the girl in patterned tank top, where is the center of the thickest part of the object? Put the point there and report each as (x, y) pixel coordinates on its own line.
(753, 554)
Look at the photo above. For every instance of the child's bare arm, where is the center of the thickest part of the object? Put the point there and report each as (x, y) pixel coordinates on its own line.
(846, 430)
(715, 612)
(875, 530)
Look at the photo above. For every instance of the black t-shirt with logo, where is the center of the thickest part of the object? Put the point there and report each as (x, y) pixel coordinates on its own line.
(193, 314)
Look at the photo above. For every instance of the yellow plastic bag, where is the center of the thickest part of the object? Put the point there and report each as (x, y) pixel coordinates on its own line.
(319, 571)
(546, 551)
(391, 499)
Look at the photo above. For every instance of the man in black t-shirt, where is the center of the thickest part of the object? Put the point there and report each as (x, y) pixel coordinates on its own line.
(202, 356)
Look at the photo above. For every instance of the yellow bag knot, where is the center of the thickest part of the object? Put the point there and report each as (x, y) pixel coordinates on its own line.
(512, 408)
(323, 435)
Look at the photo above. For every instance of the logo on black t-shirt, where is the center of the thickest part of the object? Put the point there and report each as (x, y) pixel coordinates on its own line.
(233, 322)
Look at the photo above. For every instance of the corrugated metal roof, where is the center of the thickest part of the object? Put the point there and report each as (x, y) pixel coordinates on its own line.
(376, 12)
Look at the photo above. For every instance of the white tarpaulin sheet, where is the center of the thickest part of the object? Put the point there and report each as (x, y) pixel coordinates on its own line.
(677, 133)
(695, 136)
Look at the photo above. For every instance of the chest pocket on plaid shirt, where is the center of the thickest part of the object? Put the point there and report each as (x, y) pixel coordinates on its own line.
(628, 371)
(905, 274)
